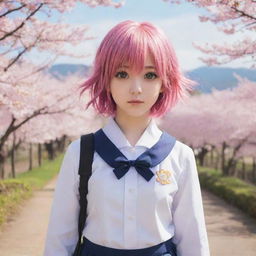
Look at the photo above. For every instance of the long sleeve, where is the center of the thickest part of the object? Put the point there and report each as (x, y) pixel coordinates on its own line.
(188, 214)
(62, 231)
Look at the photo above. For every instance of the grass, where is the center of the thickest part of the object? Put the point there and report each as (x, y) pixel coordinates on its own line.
(38, 176)
(14, 191)
(235, 191)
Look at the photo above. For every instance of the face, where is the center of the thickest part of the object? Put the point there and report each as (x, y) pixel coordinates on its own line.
(135, 94)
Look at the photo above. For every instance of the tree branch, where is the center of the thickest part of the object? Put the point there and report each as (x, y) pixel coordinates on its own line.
(22, 23)
(13, 10)
(8, 131)
(11, 128)
(15, 59)
(243, 13)
(26, 48)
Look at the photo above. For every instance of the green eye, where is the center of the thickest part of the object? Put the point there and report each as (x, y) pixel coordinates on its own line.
(151, 75)
(121, 74)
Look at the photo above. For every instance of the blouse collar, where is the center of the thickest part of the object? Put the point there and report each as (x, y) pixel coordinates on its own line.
(149, 137)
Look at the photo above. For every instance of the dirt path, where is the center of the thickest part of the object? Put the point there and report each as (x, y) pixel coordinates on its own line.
(231, 233)
(24, 234)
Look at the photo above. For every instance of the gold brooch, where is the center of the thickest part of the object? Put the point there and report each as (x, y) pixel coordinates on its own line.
(163, 176)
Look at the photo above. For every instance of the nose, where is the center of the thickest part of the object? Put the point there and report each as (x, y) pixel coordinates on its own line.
(135, 87)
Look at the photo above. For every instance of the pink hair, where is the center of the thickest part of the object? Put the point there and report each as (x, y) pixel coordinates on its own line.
(129, 42)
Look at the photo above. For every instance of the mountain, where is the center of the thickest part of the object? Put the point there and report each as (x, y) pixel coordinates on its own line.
(62, 70)
(207, 77)
(219, 78)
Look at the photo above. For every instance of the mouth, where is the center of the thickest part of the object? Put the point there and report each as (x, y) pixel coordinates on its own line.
(135, 101)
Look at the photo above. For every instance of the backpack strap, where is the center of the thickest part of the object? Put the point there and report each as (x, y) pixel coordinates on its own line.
(85, 171)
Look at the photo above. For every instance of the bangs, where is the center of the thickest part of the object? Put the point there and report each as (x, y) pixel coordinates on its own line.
(131, 50)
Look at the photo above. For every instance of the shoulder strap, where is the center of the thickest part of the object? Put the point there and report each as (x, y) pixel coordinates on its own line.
(85, 170)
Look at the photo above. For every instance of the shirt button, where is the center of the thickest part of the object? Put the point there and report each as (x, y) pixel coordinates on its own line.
(130, 190)
(130, 218)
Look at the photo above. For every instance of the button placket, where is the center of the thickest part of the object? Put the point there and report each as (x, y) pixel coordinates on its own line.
(130, 206)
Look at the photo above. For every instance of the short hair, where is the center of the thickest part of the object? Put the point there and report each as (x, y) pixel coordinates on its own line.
(130, 41)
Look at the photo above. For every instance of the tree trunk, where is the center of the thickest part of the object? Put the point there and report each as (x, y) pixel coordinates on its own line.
(50, 150)
(61, 143)
(211, 156)
(30, 157)
(64, 138)
(39, 154)
(216, 164)
(233, 161)
(223, 166)
(243, 169)
(230, 166)
(2, 162)
(201, 156)
(254, 170)
(13, 155)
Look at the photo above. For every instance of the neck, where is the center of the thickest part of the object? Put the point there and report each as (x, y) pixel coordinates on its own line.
(132, 127)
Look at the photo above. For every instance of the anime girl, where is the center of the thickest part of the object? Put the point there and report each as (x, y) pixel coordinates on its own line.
(148, 202)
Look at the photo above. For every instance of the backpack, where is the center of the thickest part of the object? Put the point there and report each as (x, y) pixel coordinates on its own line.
(85, 171)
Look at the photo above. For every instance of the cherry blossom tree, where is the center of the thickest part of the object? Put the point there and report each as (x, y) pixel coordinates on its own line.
(27, 97)
(26, 25)
(231, 17)
(222, 120)
(53, 130)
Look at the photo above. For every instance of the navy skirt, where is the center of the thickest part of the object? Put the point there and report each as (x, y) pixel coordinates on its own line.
(166, 248)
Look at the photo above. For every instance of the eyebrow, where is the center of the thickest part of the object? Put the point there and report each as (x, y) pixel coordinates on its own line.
(146, 67)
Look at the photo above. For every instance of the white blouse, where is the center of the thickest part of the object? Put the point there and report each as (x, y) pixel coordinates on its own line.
(130, 213)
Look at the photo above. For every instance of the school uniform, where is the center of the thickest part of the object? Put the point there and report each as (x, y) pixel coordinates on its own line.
(131, 212)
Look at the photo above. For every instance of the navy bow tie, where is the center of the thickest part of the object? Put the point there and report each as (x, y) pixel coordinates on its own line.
(141, 164)
(108, 151)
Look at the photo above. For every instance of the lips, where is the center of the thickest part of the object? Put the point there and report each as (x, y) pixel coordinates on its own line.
(135, 101)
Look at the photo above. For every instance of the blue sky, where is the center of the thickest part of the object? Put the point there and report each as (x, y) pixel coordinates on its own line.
(179, 22)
